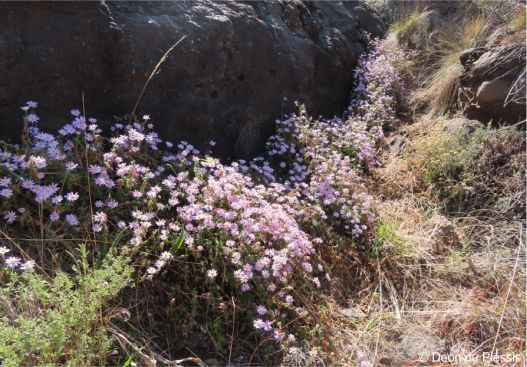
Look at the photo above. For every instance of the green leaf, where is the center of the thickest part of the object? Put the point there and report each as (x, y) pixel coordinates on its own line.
(176, 246)
(129, 361)
(118, 238)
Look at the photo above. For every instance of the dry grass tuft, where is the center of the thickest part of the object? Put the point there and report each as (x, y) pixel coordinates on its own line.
(439, 40)
(412, 30)
(443, 66)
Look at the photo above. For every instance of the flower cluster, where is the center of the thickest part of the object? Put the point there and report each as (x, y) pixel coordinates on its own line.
(14, 262)
(324, 158)
(153, 200)
(246, 223)
(379, 84)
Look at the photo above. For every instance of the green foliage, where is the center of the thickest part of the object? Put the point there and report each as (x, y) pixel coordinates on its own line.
(59, 321)
(179, 242)
(387, 240)
(450, 155)
(483, 168)
(441, 156)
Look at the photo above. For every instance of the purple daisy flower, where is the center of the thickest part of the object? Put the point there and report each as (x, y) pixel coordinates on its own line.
(12, 262)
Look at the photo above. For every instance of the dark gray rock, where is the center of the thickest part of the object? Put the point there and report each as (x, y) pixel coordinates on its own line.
(492, 86)
(242, 65)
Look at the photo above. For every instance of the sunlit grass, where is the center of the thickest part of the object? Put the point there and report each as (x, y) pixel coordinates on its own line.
(440, 87)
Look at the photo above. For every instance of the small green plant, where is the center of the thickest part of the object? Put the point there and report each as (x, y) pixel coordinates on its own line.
(450, 157)
(386, 240)
(473, 169)
(59, 321)
(442, 156)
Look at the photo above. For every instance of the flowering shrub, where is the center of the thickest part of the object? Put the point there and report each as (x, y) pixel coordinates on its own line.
(324, 158)
(380, 84)
(150, 199)
(246, 229)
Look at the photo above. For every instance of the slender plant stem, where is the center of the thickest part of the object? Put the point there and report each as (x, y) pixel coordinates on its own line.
(161, 61)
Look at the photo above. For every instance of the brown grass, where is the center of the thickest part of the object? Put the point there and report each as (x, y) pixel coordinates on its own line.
(468, 294)
(443, 67)
(470, 297)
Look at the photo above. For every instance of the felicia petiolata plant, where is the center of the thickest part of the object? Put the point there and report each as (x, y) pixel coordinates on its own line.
(324, 158)
(248, 227)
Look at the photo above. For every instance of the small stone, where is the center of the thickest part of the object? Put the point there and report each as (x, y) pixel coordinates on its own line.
(414, 344)
(352, 313)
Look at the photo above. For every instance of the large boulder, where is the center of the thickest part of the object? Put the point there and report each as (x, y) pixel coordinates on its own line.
(492, 84)
(241, 66)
